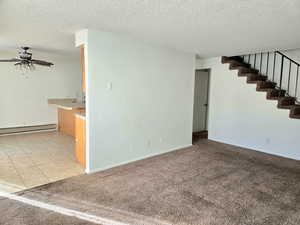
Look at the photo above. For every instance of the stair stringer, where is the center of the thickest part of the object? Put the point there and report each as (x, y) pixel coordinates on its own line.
(241, 116)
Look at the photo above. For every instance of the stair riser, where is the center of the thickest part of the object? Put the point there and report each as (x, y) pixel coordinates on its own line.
(235, 66)
(264, 88)
(286, 102)
(255, 78)
(295, 111)
(295, 116)
(244, 71)
(284, 106)
(265, 85)
(275, 94)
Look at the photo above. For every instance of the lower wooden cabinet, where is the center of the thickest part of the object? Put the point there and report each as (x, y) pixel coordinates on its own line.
(80, 140)
(66, 120)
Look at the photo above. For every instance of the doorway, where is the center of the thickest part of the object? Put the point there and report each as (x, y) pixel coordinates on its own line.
(201, 104)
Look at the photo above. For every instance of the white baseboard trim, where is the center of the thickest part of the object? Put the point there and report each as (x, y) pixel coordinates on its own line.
(27, 129)
(89, 171)
(253, 149)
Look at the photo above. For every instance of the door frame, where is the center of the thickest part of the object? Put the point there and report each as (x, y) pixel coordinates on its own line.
(206, 117)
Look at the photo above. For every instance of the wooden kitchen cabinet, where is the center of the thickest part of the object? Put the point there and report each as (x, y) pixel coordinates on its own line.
(66, 120)
(80, 140)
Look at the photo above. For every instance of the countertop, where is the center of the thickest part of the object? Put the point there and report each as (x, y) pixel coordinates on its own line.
(80, 115)
(66, 103)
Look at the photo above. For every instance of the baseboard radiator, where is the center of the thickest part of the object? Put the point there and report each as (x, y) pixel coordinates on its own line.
(16, 130)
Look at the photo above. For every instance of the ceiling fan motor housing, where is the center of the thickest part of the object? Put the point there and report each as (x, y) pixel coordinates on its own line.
(24, 54)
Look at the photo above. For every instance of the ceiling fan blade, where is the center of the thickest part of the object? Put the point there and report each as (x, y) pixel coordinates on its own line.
(41, 63)
(10, 60)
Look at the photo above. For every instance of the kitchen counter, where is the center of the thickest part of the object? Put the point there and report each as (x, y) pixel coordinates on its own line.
(80, 115)
(67, 109)
(66, 103)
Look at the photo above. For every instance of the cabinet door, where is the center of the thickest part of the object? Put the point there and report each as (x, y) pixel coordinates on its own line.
(80, 141)
(66, 122)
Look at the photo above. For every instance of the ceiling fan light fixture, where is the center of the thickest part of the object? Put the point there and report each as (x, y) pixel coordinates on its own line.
(25, 62)
(25, 67)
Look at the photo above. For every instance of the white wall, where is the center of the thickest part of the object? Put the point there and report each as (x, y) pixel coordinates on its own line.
(239, 115)
(23, 100)
(293, 54)
(149, 108)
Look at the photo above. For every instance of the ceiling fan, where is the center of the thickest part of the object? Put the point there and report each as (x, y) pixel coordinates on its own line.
(25, 61)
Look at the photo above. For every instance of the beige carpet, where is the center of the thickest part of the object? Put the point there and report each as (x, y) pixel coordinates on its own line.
(207, 184)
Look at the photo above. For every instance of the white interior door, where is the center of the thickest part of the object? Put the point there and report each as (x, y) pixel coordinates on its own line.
(200, 100)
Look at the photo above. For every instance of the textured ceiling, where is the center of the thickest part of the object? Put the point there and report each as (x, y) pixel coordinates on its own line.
(206, 27)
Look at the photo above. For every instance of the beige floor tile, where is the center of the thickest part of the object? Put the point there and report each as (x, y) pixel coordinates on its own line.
(16, 153)
(68, 164)
(7, 168)
(11, 178)
(3, 155)
(5, 162)
(9, 188)
(41, 158)
(33, 176)
(23, 161)
(9, 148)
(62, 159)
(35, 159)
(54, 172)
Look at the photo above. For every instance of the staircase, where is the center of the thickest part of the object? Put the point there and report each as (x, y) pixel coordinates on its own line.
(273, 73)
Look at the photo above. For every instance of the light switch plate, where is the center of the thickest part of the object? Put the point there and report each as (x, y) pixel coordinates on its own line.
(109, 86)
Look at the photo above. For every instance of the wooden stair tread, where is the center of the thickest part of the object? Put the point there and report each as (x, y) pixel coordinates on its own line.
(225, 59)
(263, 85)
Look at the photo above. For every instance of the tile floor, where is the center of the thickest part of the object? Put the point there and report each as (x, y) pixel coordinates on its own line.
(29, 160)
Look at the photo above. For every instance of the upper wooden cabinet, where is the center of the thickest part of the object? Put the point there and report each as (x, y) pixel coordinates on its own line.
(82, 65)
